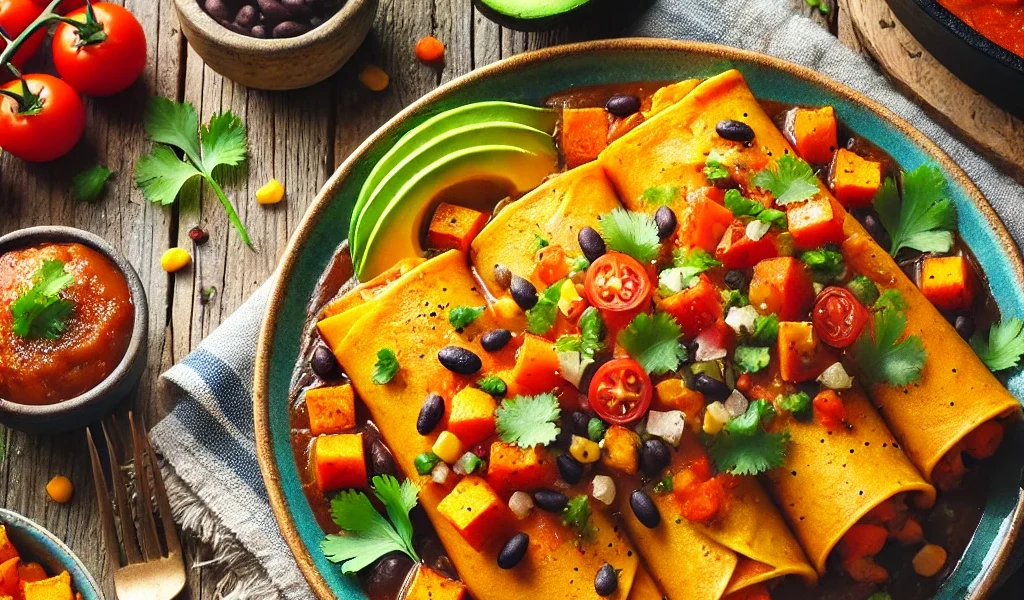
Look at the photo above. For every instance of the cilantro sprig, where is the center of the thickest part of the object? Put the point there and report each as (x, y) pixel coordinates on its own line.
(386, 367)
(461, 317)
(743, 447)
(880, 354)
(40, 311)
(528, 421)
(367, 534)
(825, 264)
(792, 180)
(577, 515)
(174, 127)
(924, 219)
(654, 342)
(87, 186)
(589, 341)
(687, 265)
(631, 233)
(751, 359)
(1004, 347)
(660, 195)
(541, 318)
(745, 207)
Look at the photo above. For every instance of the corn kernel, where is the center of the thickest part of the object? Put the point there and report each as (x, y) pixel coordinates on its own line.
(567, 296)
(929, 560)
(60, 489)
(715, 418)
(175, 259)
(584, 450)
(374, 78)
(271, 193)
(447, 447)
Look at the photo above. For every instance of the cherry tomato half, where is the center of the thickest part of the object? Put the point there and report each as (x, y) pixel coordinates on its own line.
(49, 131)
(618, 286)
(620, 391)
(104, 66)
(15, 16)
(838, 317)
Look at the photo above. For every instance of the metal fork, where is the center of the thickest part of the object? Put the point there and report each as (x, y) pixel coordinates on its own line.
(146, 573)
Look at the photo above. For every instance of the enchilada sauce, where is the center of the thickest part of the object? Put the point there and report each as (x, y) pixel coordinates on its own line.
(1001, 21)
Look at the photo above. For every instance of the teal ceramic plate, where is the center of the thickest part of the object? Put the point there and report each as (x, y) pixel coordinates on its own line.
(529, 78)
(39, 545)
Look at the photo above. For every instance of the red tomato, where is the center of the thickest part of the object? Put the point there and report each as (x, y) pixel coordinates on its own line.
(838, 317)
(63, 8)
(51, 129)
(620, 391)
(104, 61)
(703, 501)
(618, 286)
(830, 409)
(15, 16)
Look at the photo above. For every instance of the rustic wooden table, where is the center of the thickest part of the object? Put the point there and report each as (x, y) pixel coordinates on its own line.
(298, 137)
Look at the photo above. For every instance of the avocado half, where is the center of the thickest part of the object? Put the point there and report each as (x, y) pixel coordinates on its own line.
(535, 15)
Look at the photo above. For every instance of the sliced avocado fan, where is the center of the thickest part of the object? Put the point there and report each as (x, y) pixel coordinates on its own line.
(533, 15)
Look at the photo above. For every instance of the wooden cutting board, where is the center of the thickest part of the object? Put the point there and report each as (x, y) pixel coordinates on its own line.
(869, 25)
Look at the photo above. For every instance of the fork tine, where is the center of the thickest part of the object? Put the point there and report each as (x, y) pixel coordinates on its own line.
(150, 540)
(124, 510)
(103, 500)
(160, 491)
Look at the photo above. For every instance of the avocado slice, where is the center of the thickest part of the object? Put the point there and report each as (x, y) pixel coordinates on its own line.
(479, 112)
(468, 136)
(535, 15)
(399, 231)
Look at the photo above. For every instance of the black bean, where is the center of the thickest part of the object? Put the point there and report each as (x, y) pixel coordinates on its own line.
(736, 279)
(324, 364)
(711, 387)
(606, 581)
(570, 469)
(735, 131)
(579, 421)
(964, 326)
(247, 16)
(513, 551)
(459, 360)
(495, 339)
(387, 575)
(654, 456)
(273, 11)
(523, 292)
(665, 219)
(430, 414)
(381, 459)
(290, 29)
(877, 231)
(622, 105)
(502, 276)
(644, 509)
(591, 243)
(550, 500)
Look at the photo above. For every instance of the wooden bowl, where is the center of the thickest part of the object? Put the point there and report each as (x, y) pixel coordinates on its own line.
(37, 544)
(277, 64)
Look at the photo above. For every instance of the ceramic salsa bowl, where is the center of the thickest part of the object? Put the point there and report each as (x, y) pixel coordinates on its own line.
(38, 544)
(529, 78)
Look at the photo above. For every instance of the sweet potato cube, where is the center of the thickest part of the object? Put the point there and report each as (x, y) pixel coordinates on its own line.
(672, 394)
(696, 308)
(453, 227)
(475, 511)
(815, 134)
(584, 134)
(621, 449)
(339, 461)
(855, 180)
(737, 251)
(536, 368)
(471, 417)
(331, 409)
(514, 469)
(428, 584)
(948, 282)
(9, 576)
(817, 222)
(781, 286)
(704, 222)
(801, 356)
(54, 588)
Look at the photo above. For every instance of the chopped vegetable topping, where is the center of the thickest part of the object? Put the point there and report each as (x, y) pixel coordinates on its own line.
(426, 462)
(825, 264)
(528, 420)
(660, 195)
(462, 316)
(631, 233)
(664, 485)
(881, 356)
(40, 312)
(799, 404)
(751, 359)
(714, 170)
(925, 218)
(792, 180)
(654, 342)
(87, 186)
(688, 265)
(863, 289)
(745, 448)
(766, 330)
(732, 298)
(577, 515)
(386, 367)
(588, 342)
(493, 385)
(745, 207)
(750, 420)
(596, 428)
(1004, 347)
(368, 535)
(540, 242)
(541, 318)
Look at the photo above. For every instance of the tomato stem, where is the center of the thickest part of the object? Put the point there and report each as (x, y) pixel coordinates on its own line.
(48, 17)
(29, 103)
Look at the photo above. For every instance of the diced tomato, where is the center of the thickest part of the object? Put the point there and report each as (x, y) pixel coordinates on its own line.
(817, 222)
(781, 286)
(551, 264)
(737, 251)
(801, 356)
(704, 221)
(830, 410)
(695, 308)
(703, 501)
(744, 383)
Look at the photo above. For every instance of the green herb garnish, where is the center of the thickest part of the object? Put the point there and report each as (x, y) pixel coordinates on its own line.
(87, 186)
(751, 359)
(792, 180)
(745, 207)
(528, 420)
(1004, 347)
(541, 318)
(386, 367)
(493, 385)
(631, 233)
(588, 342)
(660, 195)
(881, 355)
(577, 515)
(39, 311)
(766, 330)
(654, 342)
(461, 317)
(746, 448)
(925, 218)
(798, 404)
(367, 534)
(825, 264)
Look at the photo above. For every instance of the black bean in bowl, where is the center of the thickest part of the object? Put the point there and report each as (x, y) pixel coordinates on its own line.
(271, 18)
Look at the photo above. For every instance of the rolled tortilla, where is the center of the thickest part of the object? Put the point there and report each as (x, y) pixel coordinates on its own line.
(956, 392)
(411, 318)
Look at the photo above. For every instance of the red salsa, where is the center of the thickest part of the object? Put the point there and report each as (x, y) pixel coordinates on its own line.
(1001, 21)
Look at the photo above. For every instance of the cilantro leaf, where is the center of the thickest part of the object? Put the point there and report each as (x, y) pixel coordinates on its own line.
(748, 423)
(731, 298)
(891, 299)
(223, 141)
(539, 242)
(590, 339)
(631, 233)
(578, 263)
(825, 264)
(751, 359)
(493, 385)
(766, 330)
(541, 318)
(748, 454)
(386, 367)
(925, 218)
(87, 186)
(687, 266)
(577, 515)
(773, 217)
(741, 206)
(664, 485)
(883, 359)
(714, 170)
(367, 534)
(1004, 347)
(528, 420)
(461, 317)
(660, 195)
(792, 180)
(798, 403)
(174, 124)
(161, 175)
(863, 289)
(654, 342)
(39, 311)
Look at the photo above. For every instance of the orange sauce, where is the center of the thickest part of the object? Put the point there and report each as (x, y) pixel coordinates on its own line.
(1001, 21)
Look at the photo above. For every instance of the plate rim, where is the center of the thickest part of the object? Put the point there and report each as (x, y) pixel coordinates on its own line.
(290, 257)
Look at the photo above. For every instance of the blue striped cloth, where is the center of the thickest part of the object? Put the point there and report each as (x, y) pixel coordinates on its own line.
(207, 440)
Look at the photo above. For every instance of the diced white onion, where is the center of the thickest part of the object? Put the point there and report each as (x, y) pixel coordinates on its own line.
(521, 504)
(756, 229)
(571, 365)
(715, 417)
(672, 279)
(603, 489)
(709, 346)
(667, 425)
(836, 378)
(817, 287)
(736, 404)
(741, 318)
(461, 466)
(440, 473)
